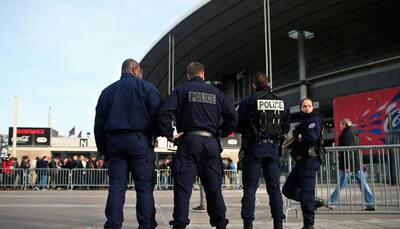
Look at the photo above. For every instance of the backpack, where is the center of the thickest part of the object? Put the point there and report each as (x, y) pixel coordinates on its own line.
(269, 114)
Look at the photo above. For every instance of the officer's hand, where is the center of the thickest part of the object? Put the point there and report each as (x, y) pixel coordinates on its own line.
(177, 136)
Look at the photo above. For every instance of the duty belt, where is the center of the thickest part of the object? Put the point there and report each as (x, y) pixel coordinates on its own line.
(202, 133)
(268, 141)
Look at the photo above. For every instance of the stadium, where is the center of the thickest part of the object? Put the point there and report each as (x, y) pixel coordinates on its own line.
(319, 49)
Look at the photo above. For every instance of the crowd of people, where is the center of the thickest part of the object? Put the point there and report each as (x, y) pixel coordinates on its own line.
(47, 172)
(42, 173)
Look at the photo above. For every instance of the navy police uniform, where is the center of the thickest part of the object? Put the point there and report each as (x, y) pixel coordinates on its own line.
(300, 184)
(203, 114)
(125, 114)
(260, 144)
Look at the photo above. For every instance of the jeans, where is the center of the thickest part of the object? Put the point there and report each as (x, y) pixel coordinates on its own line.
(42, 181)
(362, 182)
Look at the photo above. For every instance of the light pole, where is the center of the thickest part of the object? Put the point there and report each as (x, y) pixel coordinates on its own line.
(15, 117)
(171, 62)
(301, 36)
(267, 40)
(49, 117)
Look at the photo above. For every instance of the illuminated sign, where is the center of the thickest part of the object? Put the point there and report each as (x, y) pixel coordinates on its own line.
(29, 136)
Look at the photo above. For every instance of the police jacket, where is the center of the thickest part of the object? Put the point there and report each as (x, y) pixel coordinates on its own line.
(348, 137)
(307, 132)
(197, 106)
(248, 109)
(127, 104)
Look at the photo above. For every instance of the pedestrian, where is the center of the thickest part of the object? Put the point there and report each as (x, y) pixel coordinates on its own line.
(126, 114)
(25, 163)
(42, 169)
(203, 114)
(7, 170)
(263, 121)
(300, 184)
(24, 166)
(350, 164)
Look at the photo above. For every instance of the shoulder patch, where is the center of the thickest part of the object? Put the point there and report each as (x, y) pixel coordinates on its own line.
(311, 126)
(201, 97)
(270, 105)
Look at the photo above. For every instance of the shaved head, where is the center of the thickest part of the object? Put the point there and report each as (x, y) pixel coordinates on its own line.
(131, 66)
(195, 69)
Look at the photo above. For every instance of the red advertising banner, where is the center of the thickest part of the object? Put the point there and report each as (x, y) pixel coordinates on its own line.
(30, 136)
(374, 114)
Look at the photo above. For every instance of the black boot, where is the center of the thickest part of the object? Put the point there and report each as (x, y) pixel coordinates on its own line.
(319, 203)
(247, 225)
(278, 225)
(308, 227)
(220, 224)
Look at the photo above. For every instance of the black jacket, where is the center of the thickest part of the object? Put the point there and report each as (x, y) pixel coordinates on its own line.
(128, 104)
(310, 131)
(348, 137)
(197, 106)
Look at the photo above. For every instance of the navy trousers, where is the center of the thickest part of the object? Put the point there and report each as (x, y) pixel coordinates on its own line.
(252, 166)
(300, 186)
(198, 155)
(130, 153)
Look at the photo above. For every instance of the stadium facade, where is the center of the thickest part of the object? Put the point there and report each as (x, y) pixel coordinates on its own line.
(325, 48)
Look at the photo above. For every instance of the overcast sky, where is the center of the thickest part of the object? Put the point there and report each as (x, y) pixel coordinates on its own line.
(61, 54)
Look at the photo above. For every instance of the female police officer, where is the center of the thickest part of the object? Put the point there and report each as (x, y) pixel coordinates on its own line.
(300, 184)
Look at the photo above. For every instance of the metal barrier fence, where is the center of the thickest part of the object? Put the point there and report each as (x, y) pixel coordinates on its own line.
(89, 178)
(48, 178)
(164, 179)
(12, 178)
(367, 180)
(232, 179)
(374, 180)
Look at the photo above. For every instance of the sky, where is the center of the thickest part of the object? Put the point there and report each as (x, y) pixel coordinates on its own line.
(61, 54)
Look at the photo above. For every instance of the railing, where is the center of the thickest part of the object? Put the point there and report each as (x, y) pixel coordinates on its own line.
(232, 179)
(12, 178)
(164, 179)
(369, 179)
(89, 179)
(378, 172)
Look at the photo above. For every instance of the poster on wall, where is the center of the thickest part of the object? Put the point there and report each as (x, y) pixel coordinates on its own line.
(375, 115)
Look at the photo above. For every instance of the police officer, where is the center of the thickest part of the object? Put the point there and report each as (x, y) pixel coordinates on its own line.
(125, 114)
(300, 184)
(263, 121)
(202, 114)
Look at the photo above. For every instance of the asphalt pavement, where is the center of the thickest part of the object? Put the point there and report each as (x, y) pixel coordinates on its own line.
(85, 209)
